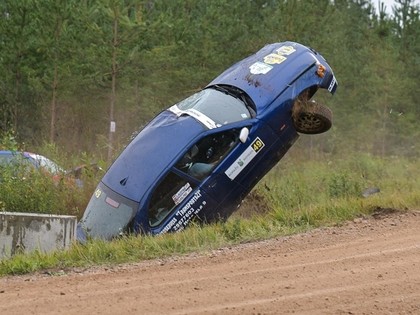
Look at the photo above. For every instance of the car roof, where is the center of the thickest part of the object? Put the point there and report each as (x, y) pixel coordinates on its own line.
(14, 153)
(35, 159)
(150, 153)
(8, 156)
(267, 73)
(7, 152)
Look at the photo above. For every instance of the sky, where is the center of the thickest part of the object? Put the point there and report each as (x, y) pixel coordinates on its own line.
(389, 4)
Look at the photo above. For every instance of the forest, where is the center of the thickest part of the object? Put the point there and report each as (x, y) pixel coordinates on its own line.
(72, 67)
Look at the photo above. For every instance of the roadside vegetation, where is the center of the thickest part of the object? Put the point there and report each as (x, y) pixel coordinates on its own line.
(295, 197)
(26, 189)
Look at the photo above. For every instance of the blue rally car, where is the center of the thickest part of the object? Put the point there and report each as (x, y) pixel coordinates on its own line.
(199, 159)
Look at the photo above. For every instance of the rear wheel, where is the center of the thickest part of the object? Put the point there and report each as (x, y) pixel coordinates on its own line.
(312, 118)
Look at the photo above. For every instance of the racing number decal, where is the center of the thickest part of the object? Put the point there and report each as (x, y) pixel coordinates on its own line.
(257, 145)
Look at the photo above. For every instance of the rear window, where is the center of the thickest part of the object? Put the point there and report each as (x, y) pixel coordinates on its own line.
(108, 213)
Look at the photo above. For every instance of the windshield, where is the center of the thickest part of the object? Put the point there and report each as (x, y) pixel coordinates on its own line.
(107, 214)
(213, 108)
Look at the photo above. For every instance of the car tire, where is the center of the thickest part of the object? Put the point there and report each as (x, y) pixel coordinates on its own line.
(312, 118)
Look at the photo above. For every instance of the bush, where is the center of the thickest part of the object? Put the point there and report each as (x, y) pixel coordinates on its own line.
(26, 189)
(30, 190)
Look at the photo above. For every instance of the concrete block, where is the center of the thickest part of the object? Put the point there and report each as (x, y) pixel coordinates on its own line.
(27, 232)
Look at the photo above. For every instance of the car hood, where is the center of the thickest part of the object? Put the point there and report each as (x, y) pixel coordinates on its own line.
(151, 152)
(267, 73)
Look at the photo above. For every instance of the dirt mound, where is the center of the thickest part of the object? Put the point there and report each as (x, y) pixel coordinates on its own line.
(254, 204)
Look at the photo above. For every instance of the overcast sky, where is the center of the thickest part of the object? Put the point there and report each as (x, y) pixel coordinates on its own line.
(389, 4)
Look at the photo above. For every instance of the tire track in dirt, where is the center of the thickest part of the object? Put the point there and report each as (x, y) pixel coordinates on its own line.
(367, 266)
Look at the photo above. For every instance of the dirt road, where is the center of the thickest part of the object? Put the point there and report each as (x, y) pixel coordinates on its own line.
(367, 266)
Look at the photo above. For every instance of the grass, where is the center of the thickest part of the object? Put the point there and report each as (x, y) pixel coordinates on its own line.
(293, 198)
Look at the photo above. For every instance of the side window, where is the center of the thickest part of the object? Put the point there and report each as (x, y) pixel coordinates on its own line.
(168, 194)
(207, 153)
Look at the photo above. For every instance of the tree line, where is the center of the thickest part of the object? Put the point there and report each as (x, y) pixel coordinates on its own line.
(74, 70)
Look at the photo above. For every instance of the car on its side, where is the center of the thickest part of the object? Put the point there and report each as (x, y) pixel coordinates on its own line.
(27, 161)
(200, 158)
(23, 159)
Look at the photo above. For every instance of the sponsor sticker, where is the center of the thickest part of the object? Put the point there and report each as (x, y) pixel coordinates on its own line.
(274, 59)
(98, 193)
(332, 84)
(184, 215)
(286, 50)
(182, 193)
(260, 68)
(244, 159)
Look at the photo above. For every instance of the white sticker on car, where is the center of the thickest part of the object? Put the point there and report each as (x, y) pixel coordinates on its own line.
(182, 193)
(260, 68)
(332, 84)
(244, 159)
(184, 215)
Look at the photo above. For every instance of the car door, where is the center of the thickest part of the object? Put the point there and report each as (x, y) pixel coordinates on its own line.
(181, 194)
(240, 166)
(175, 201)
(245, 167)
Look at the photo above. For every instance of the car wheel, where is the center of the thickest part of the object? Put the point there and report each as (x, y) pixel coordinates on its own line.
(312, 118)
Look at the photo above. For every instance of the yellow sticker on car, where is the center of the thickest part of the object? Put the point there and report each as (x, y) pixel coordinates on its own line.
(98, 193)
(257, 145)
(272, 59)
(286, 50)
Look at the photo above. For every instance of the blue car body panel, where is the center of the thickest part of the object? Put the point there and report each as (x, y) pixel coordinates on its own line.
(283, 69)
(271, 80)
(150, 153)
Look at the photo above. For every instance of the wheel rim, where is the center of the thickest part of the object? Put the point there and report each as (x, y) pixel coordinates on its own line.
(310, 122)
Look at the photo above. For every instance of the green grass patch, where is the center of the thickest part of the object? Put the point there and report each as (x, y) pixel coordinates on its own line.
(293, 198)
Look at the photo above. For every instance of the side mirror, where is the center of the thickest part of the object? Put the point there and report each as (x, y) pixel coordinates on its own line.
(243, 135)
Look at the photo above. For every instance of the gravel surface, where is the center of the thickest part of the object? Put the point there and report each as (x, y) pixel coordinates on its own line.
(367, 266)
